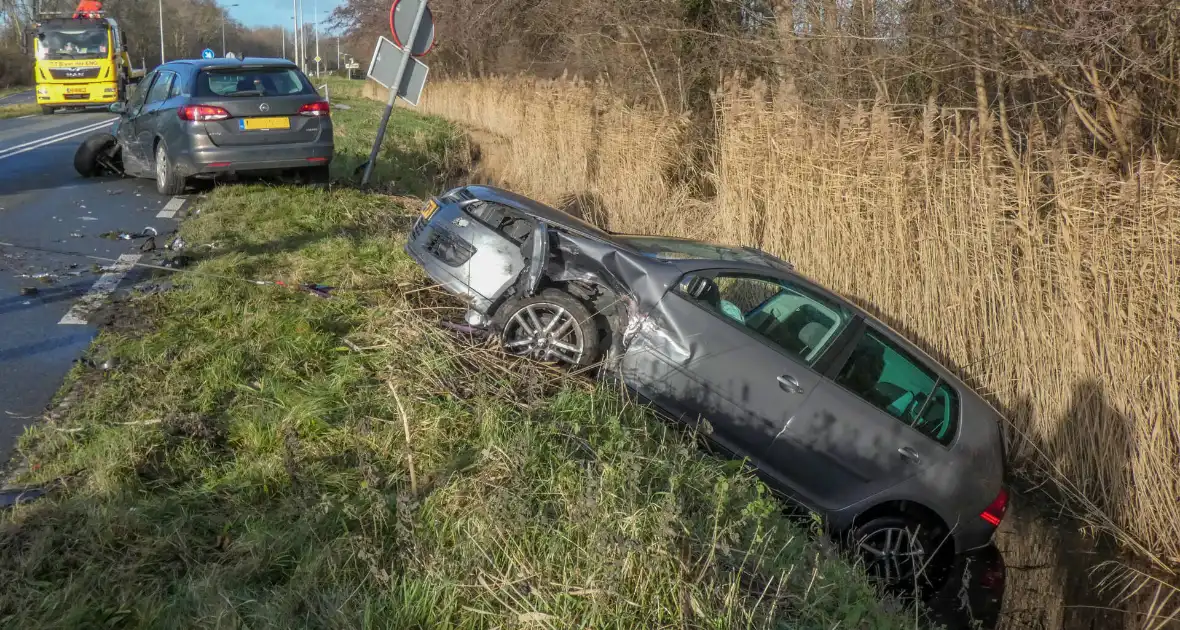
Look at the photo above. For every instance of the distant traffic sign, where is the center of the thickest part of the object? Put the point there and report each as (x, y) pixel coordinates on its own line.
(401, 23)
(318, 59)
(208, 53)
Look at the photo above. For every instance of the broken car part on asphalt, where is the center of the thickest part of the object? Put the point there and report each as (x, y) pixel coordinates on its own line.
(177, 264)
(836, 410)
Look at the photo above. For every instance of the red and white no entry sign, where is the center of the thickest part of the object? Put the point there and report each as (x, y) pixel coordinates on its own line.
(401, 22)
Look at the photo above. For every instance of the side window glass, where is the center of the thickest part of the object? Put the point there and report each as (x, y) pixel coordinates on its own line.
(889, 379)
(160, 88)
(177, 86)
(784, 315)
(141, 90)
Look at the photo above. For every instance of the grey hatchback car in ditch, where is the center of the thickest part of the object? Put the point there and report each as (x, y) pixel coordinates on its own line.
(204, 118)
(833, 408)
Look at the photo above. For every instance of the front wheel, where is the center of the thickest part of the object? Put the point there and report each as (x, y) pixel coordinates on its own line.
(86, 159)
(552, 326)
(168, 182)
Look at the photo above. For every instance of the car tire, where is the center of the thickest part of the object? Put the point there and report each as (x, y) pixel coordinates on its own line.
(521, 324)
(898, 551)
(47, 110)
(86, 158)
(168, 182)
(317, 176)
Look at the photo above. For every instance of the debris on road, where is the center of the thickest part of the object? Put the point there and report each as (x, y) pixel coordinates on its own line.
(28, 291)
(177, 244)
(318, 290)
(150, 231)
(178, 262)
(151, 288)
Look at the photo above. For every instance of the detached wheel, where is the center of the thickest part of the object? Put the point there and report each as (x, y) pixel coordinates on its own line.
(897, 552)
(86, 158)
(167, 181)
(552, 326)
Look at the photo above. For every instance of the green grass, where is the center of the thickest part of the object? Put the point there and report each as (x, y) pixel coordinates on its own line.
(16, 111)
(246, 466)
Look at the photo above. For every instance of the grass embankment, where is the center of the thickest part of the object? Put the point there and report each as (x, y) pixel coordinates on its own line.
(1048, 278)
(262, 457)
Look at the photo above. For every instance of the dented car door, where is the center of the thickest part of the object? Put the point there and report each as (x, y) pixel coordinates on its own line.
(692, 359)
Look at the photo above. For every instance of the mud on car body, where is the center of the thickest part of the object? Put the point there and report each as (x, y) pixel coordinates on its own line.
(833, 409)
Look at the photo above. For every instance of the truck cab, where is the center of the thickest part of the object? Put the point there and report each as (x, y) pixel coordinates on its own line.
(80, 61)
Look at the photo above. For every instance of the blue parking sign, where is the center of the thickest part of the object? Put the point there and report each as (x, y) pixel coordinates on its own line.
(208, 53)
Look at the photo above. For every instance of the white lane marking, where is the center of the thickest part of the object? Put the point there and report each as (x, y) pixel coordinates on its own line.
(57, 135)
(105, 286)
(25, 148)
(171, 209)
(24, 117)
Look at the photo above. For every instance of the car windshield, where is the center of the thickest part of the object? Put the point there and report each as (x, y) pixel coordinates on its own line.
(664, 248)
(81, 43)
(253, 82)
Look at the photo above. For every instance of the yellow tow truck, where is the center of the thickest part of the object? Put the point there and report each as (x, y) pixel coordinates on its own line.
(80, 61)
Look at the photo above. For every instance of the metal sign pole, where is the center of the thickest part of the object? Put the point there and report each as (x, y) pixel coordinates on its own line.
(393, 89)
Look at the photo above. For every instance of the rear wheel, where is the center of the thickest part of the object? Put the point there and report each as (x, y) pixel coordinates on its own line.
(47, 110)
(167, 181)
(897, 552)
(551, 326)
(87, 157)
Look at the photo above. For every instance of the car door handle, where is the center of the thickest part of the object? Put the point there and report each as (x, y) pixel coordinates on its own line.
(790, 384)
(909, 454)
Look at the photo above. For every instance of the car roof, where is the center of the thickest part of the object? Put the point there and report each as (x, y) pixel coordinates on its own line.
(247, 62)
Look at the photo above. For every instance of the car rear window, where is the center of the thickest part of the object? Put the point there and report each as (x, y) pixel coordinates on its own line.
(253, 82)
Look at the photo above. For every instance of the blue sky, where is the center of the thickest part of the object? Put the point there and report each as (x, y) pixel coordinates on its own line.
(276, 12)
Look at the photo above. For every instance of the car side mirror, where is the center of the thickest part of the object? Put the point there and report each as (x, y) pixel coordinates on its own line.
(118, 108)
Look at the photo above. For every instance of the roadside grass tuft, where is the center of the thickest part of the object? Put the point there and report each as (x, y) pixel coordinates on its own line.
(263, 457)
(16, 111)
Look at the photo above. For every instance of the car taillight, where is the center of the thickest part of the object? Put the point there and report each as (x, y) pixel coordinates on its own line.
(994, 513)
(202, 113)
(320, 108)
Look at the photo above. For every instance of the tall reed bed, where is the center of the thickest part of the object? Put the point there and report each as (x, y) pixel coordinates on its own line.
(1045, 277)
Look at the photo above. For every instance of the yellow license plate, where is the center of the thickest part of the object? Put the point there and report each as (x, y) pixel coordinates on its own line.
(430, 209)
(77, 90)
(258, 124)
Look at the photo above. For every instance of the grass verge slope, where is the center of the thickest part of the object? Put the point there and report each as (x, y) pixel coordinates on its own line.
(262, 457)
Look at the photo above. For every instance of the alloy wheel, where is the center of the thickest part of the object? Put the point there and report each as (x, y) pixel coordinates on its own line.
(892, 554)
(161, 164)
(546, 332)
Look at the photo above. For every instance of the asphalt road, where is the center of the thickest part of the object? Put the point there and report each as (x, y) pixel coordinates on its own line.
(20, 98)
(44, 203)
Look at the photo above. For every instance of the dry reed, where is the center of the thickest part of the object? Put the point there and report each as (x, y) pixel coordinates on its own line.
(1046, 279)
